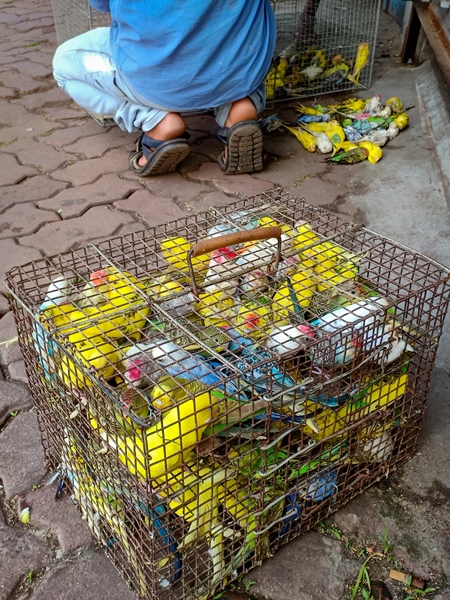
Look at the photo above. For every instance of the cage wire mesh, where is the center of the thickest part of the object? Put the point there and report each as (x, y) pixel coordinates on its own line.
(318, 43)
(212, 387)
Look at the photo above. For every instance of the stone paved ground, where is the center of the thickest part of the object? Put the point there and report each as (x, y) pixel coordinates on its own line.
(65, 182)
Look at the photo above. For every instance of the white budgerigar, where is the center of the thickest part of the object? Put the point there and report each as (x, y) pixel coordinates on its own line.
(288, 338)
(353, 326)
(58, 292)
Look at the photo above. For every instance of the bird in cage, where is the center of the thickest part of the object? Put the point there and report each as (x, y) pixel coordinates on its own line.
(351, 327)
(253, 318)
(145, 364)
(175, 251)
(288, 338)
(168, 443)
(58, 292)
(362, 57)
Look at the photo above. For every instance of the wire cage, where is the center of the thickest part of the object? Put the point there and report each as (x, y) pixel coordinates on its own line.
(211, 388)
(318, 43)
(323, 46)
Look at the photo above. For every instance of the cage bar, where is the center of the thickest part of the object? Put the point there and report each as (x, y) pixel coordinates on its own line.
(207, 399)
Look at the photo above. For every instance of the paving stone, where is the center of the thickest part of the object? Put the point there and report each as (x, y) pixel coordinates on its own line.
(443, 595)
(11, 19)
(30, 190)
(22, 464)
(92, 578)
(36, 154)
(152, 209)
(175, 186)
(11, 172)
(11, 255)
(24, 83)
(32, 25)
(360, 518)
(61, 517)
(9, 348)
(62, 236)
(17, 371)
(86, 171)
(205, 201)
(32, 69)
(7, 92)
(13, 396)
(61, 112)
(285, 172)
(7, 60)
(23, 219)
(20, 553)
(317, 192)
(310, 567)
(97, 145)
(65, 137)
(242, 185)
(204, 122)
(35, 126)
(49, 97)
(282, 145)
(73, 202)
(12, 113)
(192, 162)
(4, 305)
(211, 148)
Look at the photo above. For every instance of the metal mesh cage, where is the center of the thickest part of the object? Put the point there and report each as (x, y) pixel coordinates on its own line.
(210, 388)
(317, 47)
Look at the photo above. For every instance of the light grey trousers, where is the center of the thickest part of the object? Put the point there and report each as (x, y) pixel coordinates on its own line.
(83, 67)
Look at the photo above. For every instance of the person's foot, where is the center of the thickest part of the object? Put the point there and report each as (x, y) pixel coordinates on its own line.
(243, 150)
(162, 148)
(242, 137)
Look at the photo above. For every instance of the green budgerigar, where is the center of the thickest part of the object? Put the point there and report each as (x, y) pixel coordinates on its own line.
(351, 157)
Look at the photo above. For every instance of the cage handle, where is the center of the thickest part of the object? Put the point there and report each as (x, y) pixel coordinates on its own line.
(230, 239)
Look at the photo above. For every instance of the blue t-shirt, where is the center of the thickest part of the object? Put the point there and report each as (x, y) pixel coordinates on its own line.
(191, 54)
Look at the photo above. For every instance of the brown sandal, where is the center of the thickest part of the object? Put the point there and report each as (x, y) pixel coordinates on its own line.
(244, 142)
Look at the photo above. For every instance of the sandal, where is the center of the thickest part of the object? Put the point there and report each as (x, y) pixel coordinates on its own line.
(244, 143)
(162, 157)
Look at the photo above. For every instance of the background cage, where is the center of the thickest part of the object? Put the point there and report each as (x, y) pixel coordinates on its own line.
(283, 436)
(305, 27)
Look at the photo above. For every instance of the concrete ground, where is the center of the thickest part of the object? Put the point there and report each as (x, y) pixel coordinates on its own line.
(65, 182)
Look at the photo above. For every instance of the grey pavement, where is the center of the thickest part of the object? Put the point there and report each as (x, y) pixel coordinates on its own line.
(65, 182)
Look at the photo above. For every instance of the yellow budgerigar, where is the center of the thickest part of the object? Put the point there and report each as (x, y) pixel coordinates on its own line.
(307, 140)
(362, 57)
(175, 250)
(216, 309)
(165, 446)
(96, 354)
(253, 319)
(375, 152)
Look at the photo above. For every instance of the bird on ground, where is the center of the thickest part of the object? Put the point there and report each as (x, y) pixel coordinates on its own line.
(351, 157)
(375, 152)
(307, 140)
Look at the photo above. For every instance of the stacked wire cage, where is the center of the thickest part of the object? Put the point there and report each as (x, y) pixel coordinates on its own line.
(321, 44)
(211, 388)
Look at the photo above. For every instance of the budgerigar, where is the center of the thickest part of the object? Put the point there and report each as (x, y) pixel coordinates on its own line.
(288, 338)
(351, 326)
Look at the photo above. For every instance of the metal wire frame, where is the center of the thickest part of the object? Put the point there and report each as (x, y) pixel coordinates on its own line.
(335, 27)
(322, 35)
(277, 437)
